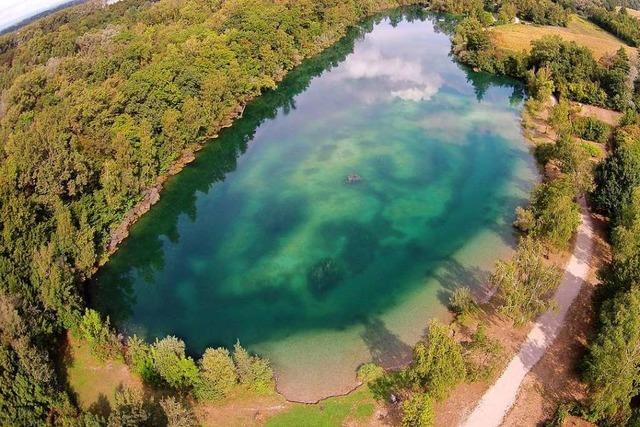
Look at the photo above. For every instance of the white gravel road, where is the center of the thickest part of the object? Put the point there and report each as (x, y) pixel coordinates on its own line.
(498, 400)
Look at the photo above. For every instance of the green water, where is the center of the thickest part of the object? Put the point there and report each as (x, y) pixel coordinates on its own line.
(262, 239)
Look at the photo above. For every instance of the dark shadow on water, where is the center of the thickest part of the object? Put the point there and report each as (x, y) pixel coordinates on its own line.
(385, 347)
(454, 275)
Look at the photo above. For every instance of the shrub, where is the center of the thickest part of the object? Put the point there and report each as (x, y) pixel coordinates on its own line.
(102, 341)
(556, 214)
(140, 359)
(524, 283)
(613, 359)
(483, 356)
(591, 129)
(172, 365)
(177, 414)
(370, 372)
(217, 374)
(525, 220)
(253, 371)
(462, 303)
(129, 409)
(417, 411)
(619, 173)
(438, 365)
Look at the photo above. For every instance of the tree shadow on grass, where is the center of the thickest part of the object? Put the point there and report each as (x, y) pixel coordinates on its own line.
(101, 406)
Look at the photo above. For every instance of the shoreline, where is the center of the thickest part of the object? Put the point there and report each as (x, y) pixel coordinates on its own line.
(152, 195)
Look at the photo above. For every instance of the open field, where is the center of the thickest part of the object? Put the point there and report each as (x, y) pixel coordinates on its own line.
(517, 37)
(94, 382)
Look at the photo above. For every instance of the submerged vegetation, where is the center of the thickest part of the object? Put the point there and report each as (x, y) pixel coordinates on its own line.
(100, 104)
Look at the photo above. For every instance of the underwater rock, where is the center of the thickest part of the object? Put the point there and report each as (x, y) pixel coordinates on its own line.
(353, 178)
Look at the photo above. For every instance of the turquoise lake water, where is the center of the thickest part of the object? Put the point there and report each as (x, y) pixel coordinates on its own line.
(263, 239)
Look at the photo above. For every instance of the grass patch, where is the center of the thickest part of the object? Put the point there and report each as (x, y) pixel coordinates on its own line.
(357, 406)
(518, 37)
(94, 382)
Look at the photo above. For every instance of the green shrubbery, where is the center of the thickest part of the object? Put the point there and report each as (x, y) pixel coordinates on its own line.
(217, 374)
(98, 103)
(611, 367)
(591, 129)
(102, 341)
(462, 302)
(552, 66)
(483, 356)
(619, 23)
(619, 173)
(417, 411)
(525, 283)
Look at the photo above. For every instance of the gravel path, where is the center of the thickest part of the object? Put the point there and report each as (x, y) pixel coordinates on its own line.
(498, 400)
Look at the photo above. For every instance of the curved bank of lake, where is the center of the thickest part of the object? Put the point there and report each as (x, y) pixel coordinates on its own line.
(266, 239)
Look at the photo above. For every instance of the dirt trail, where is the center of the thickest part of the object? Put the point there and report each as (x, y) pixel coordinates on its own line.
(498, 400)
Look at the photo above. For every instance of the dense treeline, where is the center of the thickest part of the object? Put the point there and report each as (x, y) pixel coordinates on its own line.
(97, 104)
(572, 68)
(612, 365)
(620, 23)
(543, 12)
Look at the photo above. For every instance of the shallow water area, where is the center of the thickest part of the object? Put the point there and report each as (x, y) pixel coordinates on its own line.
(325, 227)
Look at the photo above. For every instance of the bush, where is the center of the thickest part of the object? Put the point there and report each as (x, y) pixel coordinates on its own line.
(591, 129)
(611, 365)
(417, 411)
(370, 372)
(483, 356)
(253, 371)
(524, 284)
(140, 359)
(462, 303)
(619, 173)
(525, 220)
(438, 365)
(102, 341)
(172, 365)
(129, 409)
(177, 414)
(556, 214)
(217, 374)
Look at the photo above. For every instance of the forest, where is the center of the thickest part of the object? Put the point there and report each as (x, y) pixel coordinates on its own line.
(100, 104)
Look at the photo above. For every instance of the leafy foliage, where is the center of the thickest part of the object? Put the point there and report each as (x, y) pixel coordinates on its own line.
(525, 283)
(462, 302)
(613, 361)
(102, 341)
(217, 374)
(483, 356)
(129, 409)
(417, 411)
(619, 174)
(253, 371)
(177, 414)
(172, 364)
(619, 23)
(98, 104)
(438, 364)
(591, 129)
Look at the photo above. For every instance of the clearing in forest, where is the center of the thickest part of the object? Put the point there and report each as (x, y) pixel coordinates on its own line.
(517, 37)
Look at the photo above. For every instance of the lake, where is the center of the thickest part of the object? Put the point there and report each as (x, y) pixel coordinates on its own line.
(331, 222)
